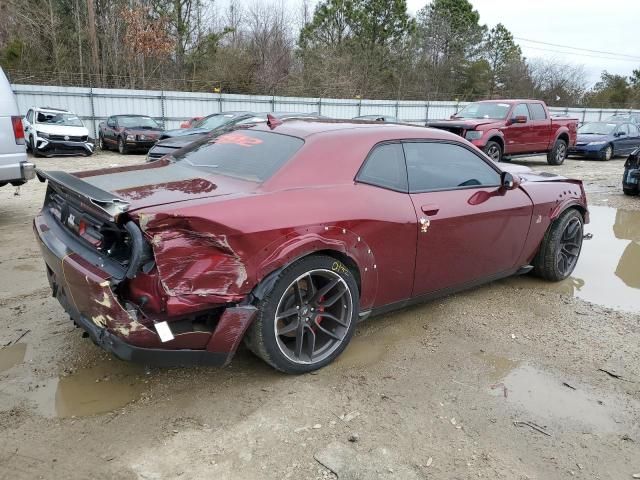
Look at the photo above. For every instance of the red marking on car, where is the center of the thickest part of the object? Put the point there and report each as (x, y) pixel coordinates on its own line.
(238, 139)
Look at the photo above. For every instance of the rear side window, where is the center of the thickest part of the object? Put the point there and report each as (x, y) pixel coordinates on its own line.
(446, 166)
(537, 111)
(633, 130)
(385, 167)
(246, 154)
(521, 110)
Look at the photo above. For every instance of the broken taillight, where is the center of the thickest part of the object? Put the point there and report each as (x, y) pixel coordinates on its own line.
(18, 130)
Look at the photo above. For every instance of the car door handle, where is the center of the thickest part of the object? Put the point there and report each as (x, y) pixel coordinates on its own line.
(430, 209)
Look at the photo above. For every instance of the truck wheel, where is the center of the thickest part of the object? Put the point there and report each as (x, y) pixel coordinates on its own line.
(122, 147)
(560, 247)
(493, 151)
(558, 153)
(606, 153)
(308, 317)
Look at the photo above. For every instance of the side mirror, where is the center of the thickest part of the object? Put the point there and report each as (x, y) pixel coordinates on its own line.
(519, 119)
(510, 181)
(619, 134)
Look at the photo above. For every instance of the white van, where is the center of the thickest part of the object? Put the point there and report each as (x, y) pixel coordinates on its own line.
(14, 166)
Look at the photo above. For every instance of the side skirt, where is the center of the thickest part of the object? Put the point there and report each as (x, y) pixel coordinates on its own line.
(392, 307)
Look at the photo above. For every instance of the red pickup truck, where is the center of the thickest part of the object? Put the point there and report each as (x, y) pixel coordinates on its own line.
(507, 128)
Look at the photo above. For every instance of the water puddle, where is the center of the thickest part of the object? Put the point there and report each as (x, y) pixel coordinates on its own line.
(608, 271)
(500, 366)
(89, 391)
(548, 402)
(12, 355)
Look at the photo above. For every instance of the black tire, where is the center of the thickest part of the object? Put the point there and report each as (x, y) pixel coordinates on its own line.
(558, 153)
(606, 153)
(493, 151)
(632, 192)
(122, 146)
(560, 247)
(101, 145)
(269, 338)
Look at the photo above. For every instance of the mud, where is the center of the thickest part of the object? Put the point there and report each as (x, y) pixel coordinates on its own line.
(443, 390)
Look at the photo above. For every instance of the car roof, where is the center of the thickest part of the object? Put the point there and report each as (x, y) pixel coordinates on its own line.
(131, 115)
(307, 127)
(50, 109)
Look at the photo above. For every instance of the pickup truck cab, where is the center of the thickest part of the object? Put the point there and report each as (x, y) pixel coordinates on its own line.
(508, 128)
(15, 169)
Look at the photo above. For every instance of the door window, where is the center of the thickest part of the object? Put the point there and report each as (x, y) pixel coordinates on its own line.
(385, 167)
(633, 130)
(446, 166)
(537, 111)
(521, 110)
(111, 122)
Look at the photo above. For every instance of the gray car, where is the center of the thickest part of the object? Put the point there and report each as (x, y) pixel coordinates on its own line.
(15, 169)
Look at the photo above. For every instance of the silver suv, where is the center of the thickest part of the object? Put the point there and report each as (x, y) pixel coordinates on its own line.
(14, 166)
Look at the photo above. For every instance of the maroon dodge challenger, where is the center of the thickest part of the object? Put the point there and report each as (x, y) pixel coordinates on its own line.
(286, 234)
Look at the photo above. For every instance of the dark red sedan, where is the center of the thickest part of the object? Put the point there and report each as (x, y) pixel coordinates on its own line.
(286, 234)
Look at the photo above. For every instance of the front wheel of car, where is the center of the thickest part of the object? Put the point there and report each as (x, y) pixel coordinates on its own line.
(122, 147)
(558, 153)
(308, 317)
(493, 151)
(101, 144)
(607, 153)
(560, 247)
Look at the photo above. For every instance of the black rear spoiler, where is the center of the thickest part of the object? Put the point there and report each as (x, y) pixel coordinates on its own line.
(105, 201)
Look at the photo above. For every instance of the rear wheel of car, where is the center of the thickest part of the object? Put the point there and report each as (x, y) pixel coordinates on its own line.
(560, 247)
(493, 151)
(558, 153)
(630, 191)
(307, 319)
(607, 153)
(101, 143)
(122, 147)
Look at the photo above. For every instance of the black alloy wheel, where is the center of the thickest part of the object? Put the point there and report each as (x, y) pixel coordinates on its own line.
(313, 316)
(570, 246)
(307, 317)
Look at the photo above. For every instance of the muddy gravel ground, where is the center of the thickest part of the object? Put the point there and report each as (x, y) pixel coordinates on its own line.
(519, 379)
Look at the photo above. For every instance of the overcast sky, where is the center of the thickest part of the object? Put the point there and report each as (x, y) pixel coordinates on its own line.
(607, 26)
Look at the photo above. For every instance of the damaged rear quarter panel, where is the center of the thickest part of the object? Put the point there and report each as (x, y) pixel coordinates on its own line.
(216, 251)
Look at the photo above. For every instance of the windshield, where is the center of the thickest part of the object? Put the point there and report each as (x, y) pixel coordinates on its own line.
(597, 128)
(214, 121)
(137, 122)
(246, 154)
(65, 119)
(484, 110)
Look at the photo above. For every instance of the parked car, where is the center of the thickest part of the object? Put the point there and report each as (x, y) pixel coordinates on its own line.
(175, 139)
(624, 117)
(378, 118)
(208, 124)
(510, 128)
(604, 140)
(15, 168)
(287, 233)
(128, 133)
(631, 176)
(189, 123)
(170, 145)
(55, 131)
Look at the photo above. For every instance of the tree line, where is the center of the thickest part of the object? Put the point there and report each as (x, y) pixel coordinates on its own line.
(339, 48)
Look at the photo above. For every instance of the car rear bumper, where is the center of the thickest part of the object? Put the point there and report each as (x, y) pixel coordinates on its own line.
(87, 295)
(16, 169)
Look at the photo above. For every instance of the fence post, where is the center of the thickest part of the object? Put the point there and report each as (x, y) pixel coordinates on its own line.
(584, 114)
(397, 107)
(600, 115)
(164, 123)
(426, 108)
(273, 103)
(93, 114)
(359, 106)
(319, 106)
(220, 103)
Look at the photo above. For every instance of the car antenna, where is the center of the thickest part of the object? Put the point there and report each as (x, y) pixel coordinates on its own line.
(272, 121)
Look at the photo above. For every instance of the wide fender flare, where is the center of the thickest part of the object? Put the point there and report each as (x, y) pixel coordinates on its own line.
(563, 206)
(312, 239)
(559, 132)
